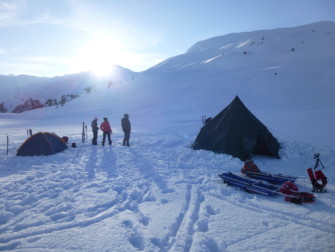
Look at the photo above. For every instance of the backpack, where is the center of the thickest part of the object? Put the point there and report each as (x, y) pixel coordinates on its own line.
(317, 187)
(293, 196)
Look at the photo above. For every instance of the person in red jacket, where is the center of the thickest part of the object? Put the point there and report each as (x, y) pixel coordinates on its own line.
(107, 131)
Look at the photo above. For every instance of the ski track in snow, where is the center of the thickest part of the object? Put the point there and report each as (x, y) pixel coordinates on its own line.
(134, 188)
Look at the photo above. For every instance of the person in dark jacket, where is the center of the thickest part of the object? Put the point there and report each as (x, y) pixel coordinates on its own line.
(126, 127)
(95, 128)
(107, 131)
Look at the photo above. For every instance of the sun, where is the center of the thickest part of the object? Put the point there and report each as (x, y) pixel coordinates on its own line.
(100, 56)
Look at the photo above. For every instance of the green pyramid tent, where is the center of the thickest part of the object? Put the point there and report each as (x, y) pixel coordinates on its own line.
(237, 132)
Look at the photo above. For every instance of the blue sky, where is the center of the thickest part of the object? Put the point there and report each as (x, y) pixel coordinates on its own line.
(57, 37)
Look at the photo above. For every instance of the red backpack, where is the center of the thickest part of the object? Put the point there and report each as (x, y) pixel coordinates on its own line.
(290, 189)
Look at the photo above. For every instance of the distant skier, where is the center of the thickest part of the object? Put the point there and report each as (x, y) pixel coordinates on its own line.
(107, 131)
(126, 127)
(95, 128)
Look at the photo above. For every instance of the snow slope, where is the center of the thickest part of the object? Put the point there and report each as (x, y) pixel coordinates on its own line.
(159, 194)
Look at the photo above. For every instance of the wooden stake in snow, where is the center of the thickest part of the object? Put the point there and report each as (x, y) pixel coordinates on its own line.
(83, 134)
(7, 144)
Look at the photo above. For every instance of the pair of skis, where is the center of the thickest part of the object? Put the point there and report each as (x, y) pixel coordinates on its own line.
(269, 177)
(249, 185)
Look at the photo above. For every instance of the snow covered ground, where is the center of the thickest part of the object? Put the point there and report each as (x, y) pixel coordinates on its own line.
(159, 194)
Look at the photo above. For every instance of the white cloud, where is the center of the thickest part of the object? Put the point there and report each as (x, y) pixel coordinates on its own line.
(11, 15)
(7, 12)
(6, 6)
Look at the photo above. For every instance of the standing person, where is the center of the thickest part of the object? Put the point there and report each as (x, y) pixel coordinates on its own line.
(126, 127)
(94, 125)
(107, 131)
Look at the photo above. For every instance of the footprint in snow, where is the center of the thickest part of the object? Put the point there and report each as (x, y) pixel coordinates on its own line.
(145, 220)
(136, 241)
(165, 191)
(211, 211)
(202, 225)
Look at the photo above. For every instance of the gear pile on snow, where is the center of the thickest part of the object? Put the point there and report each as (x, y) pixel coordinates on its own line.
(251, 170)
(293, 194)
(252, 181)
(317, 176)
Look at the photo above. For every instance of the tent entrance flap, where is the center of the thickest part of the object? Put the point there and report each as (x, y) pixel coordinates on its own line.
(261, 147)
(248, 145)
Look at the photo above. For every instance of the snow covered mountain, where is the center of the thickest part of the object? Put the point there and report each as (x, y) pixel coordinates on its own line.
(264, 48)
(260, 65)
(18, 92)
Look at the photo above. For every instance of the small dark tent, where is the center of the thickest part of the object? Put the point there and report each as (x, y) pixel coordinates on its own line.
(41, 144)
(237, 132)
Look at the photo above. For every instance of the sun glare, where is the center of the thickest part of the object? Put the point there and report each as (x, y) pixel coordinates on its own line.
(99, 56)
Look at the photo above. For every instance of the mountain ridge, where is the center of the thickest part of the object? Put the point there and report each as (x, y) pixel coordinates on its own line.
(21, 89)
(280, 41)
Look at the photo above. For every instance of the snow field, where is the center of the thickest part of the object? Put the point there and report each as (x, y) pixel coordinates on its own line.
(157, 195)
